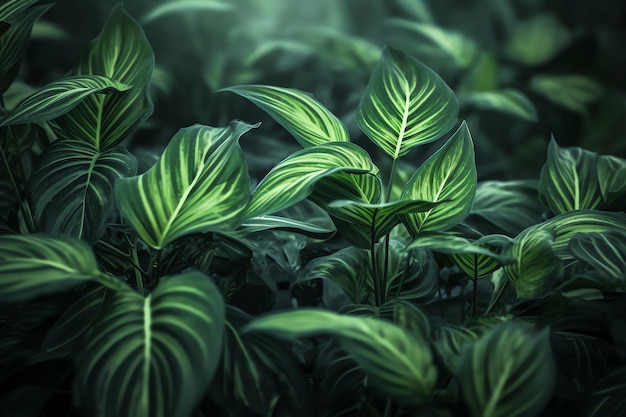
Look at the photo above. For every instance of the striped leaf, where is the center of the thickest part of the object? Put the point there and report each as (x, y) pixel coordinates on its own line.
(263, 223)
(120, 52)
(604, 251)
(71, 192)
(406, 104)
(293, 179)
(611, 177)
(184, 6)
(40, 264)
(508, 100)
(449, 342)
(308, 121)
(448, 176)
(154, 356)
(508, 372)
(398, 363)
(569, 179)
(10, 10)
(200, 183)
(59, 97)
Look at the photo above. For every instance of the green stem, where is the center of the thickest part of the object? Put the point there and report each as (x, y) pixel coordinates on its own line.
(30, 224)
(392, 175)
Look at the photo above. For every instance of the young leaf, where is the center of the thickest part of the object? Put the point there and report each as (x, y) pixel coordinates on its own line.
(449, 177)
(41, 264)
(120, 52)
(508, 372)
(71, 192)
(185, 6)
(573, 92)
(199, 184)
(406, 104)
(308, 121)
(508, 100)
(154, 356)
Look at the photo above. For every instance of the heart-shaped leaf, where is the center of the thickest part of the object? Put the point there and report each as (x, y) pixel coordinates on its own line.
(406, 104)
(200, 183)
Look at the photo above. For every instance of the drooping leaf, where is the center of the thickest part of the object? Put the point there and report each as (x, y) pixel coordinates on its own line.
(59, 97)
(508, 100)
(200, 183)
(405, 105)
(184, 6)
(611, 177)
(604, 251)
(263, 223)
(308, 121)
(120, 52)
(449, 177)
(507, 372)
(574, 92)
(537, 40)
(71, 192)
(153, 356)
(40, 264)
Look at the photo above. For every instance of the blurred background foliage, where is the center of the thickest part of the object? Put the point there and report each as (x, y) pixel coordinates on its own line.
(523, 69)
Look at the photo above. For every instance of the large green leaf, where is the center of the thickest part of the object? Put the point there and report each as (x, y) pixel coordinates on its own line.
(611, 177)
(199, 184)
(398, 363)
(59, 97)
(573, 92)
(300, 113)
(41, 264)
(71, 192)
(153, 356)
(449, 177)
(604, 251)
(293, 179)
(264, 223)
(406, 104)
(537, 40)
(185, 6)
(508, 372)
(508, 100)
(120, 52)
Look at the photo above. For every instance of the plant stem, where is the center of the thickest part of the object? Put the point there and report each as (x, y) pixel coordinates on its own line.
(30, 224)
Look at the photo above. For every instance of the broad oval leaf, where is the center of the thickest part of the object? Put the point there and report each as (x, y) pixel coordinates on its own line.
(200, 183)
(448, 177)
(508, 100)
(153, 356)
(406, 104)
(71, 192)
(59, 97)
(185, 6)
(508, 372)
(308, 121)
(120, 52)
(40, 264)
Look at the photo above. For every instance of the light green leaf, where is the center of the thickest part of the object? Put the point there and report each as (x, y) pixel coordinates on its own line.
(604, 251)
(263, 223)
(308, 121)
(40, 264)
(448, 176)
(508, 372)
(508, 100)
(573, 92)
(406, 104)
(611, 177)
(398, 363)
(185, 6)
(537, 40)
(569, 179)
(293, 179)
(120, 52)
(154, 356)
(199, 184)
(71, 192)
(59, 97)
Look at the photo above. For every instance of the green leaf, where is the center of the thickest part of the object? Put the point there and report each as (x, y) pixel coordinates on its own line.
(120, 52)
(448, 176)
(604, 251)
(308, 121)
(574, 92)
(611, 177)
(569, 179)
(263, 223)
(154, 356)
(508, 100)
(184, 6)
(59, 97)
(39, 264)
(406, 104)
(508, 372)
(200, 183)
(4, 26)
(537, 40)
(449, 342)
(71, 192)
(293, 179)
(398, 363)
(11, 10)
(608, 398)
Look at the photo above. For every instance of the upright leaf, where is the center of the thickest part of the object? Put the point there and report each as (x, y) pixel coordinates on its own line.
(199, 184)
(154, 356)
(406, 104)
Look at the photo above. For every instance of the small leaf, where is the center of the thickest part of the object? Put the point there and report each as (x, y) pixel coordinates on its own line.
(508, 100)
(152, 357)
(405, 105)
(263, 223)
(604, 251)
(448, 176)
(308, 121)
(199, 184)
(611, 177)
(537, 40)
(184, 6)
(573, 92)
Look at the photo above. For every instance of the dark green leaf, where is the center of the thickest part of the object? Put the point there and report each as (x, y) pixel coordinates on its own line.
(507, 100)
(537, 40)
(604, 251)
(608, 398)
(573, 92)
(263, 223)
(612, 177)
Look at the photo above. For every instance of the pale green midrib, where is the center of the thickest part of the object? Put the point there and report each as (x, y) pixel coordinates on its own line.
(83, 213)
(495, 395)
(98, 132)
(405, 118)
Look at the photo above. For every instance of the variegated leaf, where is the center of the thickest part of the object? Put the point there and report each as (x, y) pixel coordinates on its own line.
(604, 251)
(611, 177)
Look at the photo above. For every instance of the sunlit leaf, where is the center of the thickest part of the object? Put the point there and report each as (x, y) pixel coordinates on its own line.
(537, 40)
(448, 176)
(71, 192)
(152, 356)
(199, 184)
(184, 6)
(573, 92)
(308, 121)
(507, 100)
(406, 104)
(604, 251)
(611, 177)
(508, 372)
